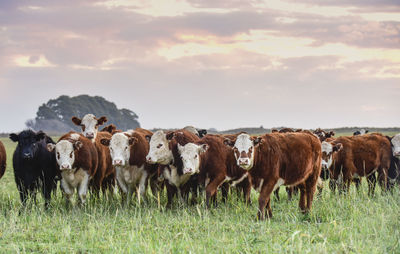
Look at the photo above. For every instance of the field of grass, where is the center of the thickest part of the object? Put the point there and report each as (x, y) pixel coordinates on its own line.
(354, 223)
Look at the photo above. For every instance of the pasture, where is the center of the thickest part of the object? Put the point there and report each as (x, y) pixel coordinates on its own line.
(354, 223)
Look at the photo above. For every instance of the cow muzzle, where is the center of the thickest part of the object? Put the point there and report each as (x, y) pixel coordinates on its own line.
(90, 135)
(188, 171)
(150, 160)
(396, 154)
(118, 162)
(65, 166)
(27, 156)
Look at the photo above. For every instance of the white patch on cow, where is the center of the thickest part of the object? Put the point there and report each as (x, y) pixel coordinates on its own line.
(328, 149)
(190, 154)
(74, 136)
(65, 155)
(120, 149)
(396, 146)
(278, 183)
(159, 151)
(207, 181)
(192, 130)
(75, 179)
(244, 144)
(90, 123)
(244, 176)
(171, 174)
(258, 189)
(131, 178)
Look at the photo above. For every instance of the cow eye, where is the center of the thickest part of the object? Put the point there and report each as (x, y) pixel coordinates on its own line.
(70, 155)
(159, 145)
(58, 155)
(126, 148)
(195, 156)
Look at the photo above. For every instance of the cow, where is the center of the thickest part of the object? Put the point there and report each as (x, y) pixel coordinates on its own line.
(355, 157)
(111, 128)
(213, 161)
(394, 169)
(128, 152)
(77, 159)
(323, 135)
(360, 132)
(199, 132)
(164, 151)
(3, 160)
(104, 178)
(280, 159)
(34, 166)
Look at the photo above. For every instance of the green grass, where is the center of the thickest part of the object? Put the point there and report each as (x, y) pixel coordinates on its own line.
(337, 224)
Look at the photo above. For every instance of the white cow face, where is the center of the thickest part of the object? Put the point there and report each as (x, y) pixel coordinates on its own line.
(244, 150)
(328, 149)
(190, 154)
(396, 146)
(159, 149)
(120, 148)
(90, 125)
(65, 153)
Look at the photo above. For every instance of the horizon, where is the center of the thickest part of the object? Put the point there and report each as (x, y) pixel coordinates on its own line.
(211, 64)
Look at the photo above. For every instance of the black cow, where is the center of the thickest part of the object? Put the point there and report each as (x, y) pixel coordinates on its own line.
(34, 166)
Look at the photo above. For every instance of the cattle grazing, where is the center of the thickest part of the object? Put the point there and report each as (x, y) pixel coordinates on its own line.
(164, 151)
(128, 152)
(77, 159)
(291, 159)
(104, 178)
(394, 169)
(349, 158)
(214, 162)
(360, 132)
(3, 160)
(34, 166)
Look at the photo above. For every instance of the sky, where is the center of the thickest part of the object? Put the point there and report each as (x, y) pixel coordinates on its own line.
(209, 63)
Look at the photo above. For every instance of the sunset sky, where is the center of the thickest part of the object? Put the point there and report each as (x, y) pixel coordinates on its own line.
(213, 63)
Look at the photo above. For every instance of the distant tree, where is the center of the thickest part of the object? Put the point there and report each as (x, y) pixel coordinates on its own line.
(55, 115)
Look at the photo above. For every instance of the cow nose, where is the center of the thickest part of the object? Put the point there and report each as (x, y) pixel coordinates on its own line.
(243, 161)
(90, 135)
(187, 171)
(149, 160)
(27, 155)
(64, 166)
(397, 153)
(117, 162)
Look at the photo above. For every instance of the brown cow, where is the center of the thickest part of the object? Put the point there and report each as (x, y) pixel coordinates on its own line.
(3, 159)
(77, 158)
(128, 151)
(280, 158)
(214, 162)
(105, 174)
(164, 151)
(357, 156)
(111, 128)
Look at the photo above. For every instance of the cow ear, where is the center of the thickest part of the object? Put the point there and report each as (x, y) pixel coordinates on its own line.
(202, 132)
(331, 133)
(229, 142)
(14, 137)
(148, 138)
(40, 135)
(78, 145)
(76, 120)
(180, 148)
(257, 141)
(132, 140)
(170, 135)
(337, 147)
(50, 147)
(203, 148)
(105, 141)
(101, 120)
(274, 131)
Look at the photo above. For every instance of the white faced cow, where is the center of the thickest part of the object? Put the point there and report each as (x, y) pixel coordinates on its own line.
(90, 125)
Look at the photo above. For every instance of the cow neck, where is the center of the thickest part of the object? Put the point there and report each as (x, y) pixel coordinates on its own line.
(137, 154)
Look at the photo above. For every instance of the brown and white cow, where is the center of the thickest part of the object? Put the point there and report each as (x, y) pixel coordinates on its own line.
(3, 159)
(280, 159)
(214, 162)
(105, 174)
(164, 151)
(358, 156)
(77, 158)
(323, 135)
(128, 152)
(394, 169)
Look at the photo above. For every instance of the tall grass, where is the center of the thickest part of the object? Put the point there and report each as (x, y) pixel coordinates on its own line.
(354, 223)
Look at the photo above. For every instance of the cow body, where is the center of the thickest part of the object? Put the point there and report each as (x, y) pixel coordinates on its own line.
(280, 159)
(3, 160)
(358, 156)
(394, 169)
(164, 151)
(128, 152)
(34, 166)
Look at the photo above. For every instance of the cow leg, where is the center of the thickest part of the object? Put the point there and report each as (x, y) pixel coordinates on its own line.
(246, 185)
(212, 187)
(264, 199)
(382, 178)
(83, 188)
(303, 198)
(276, 194)
(289, 191)
(224, 191)
(47, 188)
(311, 186)
(171, 191)
(371, 179)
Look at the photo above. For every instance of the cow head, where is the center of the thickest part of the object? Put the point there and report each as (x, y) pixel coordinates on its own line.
(159, 151)
(120, 147)
(395, 141)
(190, 154)
(89, 124)
(243, 149)
(65, 152)
(328, 149)
(28, 145)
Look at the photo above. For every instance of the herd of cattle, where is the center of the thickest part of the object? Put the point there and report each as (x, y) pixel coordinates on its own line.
(187, 161)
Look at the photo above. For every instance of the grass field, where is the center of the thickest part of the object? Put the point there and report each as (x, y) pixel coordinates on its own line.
(337, 224)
